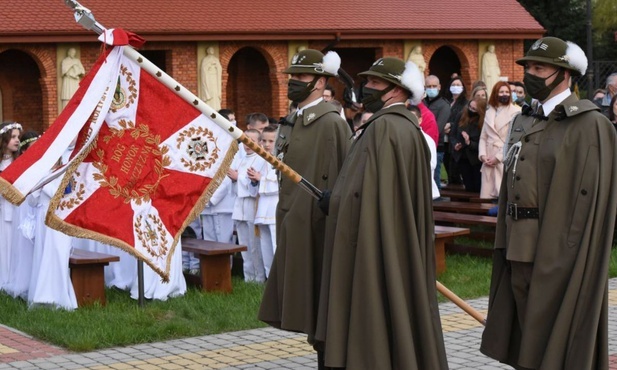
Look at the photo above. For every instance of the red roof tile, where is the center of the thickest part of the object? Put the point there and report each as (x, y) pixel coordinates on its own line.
(192, 19)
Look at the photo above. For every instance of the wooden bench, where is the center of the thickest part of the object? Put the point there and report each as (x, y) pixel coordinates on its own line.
(464, 196)
(443, 235)
(463, 218)
(88, 275)
(483, 200)
(214, 262)
(460, 195)
(463, 207)
(453, 187)
(450, 218)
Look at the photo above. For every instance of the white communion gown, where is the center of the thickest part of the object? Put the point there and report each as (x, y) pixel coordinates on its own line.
(24, 224)
(50, 282)
(6, 232)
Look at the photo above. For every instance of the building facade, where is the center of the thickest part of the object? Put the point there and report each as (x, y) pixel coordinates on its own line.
(252, 46)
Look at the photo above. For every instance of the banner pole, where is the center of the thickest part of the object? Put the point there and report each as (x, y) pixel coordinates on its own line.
(460, 303)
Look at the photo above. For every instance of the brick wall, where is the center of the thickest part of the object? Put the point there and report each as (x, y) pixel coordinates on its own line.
(468, 53)
(28, 84)
(264, 90)
(29, 87)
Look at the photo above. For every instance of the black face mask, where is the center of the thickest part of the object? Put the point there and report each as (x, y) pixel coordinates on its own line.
(537, 88)
(472, 114)
(298, 91)
(504, 99)
(372, 98)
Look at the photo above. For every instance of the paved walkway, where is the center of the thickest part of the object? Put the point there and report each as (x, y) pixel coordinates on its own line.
(251, 349)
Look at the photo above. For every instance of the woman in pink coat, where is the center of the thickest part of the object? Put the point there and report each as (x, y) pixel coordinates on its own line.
(497, 121)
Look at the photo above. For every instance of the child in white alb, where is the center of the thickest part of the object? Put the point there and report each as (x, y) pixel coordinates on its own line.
(216, 221)
(24, 223)
(50, 282)
(266, 185)
(244, 211)
(9, 149)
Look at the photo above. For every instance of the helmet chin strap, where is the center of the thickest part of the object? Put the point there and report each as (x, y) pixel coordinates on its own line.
(313, 83)
(387, 90)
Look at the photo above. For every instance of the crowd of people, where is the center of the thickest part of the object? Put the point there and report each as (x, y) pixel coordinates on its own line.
(355, 270)
(475, 159)
(473, 128)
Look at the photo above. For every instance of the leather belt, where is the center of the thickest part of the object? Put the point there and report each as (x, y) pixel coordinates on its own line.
(517, 212)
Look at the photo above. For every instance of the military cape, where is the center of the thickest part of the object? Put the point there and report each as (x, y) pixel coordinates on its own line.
(566, 322)
(379, 302)
(315, 147)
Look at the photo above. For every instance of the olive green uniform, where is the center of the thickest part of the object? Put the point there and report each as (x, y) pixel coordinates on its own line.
(556, 215)
(379, 302)
(315, 147)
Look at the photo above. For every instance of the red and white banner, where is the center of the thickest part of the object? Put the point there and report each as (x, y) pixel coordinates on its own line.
(153, 166)
(144, 174)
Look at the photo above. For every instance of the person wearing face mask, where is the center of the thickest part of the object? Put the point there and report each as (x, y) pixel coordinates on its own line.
(548, 303)
(467, 140)
(313, 141)
(457, 96)
(497, 120)
(378, 308)
(519, 96)
(441, 109)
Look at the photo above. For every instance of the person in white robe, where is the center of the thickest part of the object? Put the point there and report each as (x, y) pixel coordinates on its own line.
(24, 223)
(267, 194)
(50, 281)
(244, 211)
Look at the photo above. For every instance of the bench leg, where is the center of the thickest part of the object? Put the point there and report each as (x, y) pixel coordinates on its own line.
(215, 273)
(89, 283)
(440, 256)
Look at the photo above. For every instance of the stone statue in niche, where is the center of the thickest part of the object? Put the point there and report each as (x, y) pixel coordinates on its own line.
(490, 68)
(417, 57)
(72, 72)
(211, 80)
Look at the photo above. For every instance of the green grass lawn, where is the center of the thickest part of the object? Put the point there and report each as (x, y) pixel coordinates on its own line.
(122, 322)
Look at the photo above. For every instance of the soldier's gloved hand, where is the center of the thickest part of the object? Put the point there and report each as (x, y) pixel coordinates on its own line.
(324, 202)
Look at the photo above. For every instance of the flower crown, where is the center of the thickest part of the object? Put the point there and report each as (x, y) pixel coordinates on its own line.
(11, 126)
(28, 141)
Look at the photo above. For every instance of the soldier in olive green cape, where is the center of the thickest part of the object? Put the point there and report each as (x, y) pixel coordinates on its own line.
(378, 308)
(314, 144)
(556, 216)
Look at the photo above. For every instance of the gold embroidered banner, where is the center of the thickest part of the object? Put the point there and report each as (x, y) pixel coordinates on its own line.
(154, 164)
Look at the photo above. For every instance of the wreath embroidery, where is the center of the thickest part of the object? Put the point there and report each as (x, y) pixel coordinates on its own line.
(75, 195)
(121, 98)
(150, 148)
(198, 138)
(152, 235)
